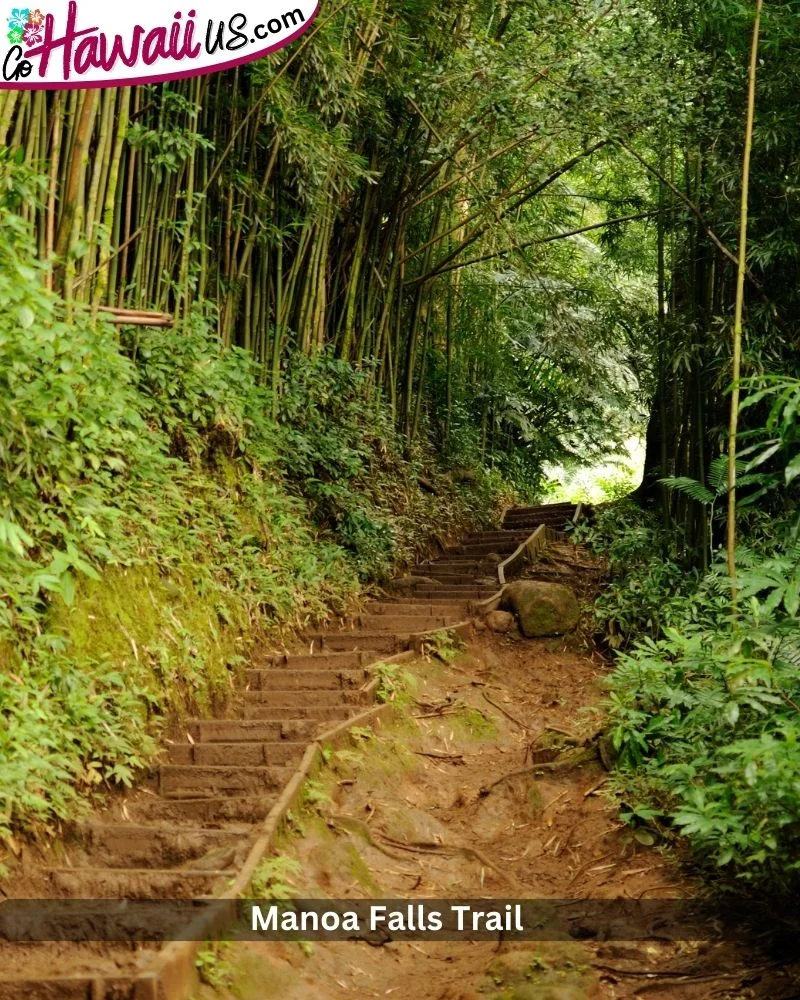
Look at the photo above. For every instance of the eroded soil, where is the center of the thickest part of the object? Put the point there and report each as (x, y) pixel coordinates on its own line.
(433, 807)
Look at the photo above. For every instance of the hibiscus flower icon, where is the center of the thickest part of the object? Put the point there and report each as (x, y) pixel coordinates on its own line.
(35, 17)
(15, 36)
(32, 34)
(19, 18)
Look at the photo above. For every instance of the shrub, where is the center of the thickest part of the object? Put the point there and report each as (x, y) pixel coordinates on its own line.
(705, 719)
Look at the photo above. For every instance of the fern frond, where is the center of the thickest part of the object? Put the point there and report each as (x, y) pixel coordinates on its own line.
(691, 488)
(718, 474)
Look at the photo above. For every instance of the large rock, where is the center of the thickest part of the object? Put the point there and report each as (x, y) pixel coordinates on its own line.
(542, 608)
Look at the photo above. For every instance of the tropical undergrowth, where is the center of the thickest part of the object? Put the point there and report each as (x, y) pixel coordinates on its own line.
(160, 510)
(704, 698)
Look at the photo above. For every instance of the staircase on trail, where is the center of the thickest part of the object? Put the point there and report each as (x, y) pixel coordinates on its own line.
(185, 833)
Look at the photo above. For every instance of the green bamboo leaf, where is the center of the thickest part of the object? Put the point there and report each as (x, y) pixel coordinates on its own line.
(732, 712)
(67, 586)
(791, 597)
(793, 469)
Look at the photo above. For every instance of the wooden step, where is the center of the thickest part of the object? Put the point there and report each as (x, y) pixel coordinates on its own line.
(544, 508)
(469, 592)
(349, 660)
(310, 680)
(469, 558)
(212, 811)
(426, 608)
(131, 845)
(52, 986)
(381, 642)
(133, 883)
(250, 731)
(463, 603)
(449, 579)
(449, 565)
(241, 754)
(502, 537)
(178, 781)
(291, 699)
(405, 623)
(319, 713)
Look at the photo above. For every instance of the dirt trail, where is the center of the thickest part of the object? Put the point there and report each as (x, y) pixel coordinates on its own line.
(186, 831)
(549, 834)
(432, 808)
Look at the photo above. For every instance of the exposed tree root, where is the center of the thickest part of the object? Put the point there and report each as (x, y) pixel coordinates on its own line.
(382, 843)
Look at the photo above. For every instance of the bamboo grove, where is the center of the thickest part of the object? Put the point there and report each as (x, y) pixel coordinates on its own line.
(697, 179)
(331, 196)
(490, 203)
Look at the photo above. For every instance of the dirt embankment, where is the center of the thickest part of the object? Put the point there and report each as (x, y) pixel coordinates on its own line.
(483, 787)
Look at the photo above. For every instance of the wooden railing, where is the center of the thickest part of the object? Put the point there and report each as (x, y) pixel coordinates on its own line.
(532, 545)
(527, 551)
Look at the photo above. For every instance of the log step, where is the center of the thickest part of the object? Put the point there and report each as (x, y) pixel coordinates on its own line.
(319, 713)
(131, 845)
(405, 623)
(241, 754)
(133, 883)
(426, 608)
(350, 660)
(178, 781)
(382, 642)
(250, 731)
(214, 812)
(308, 680)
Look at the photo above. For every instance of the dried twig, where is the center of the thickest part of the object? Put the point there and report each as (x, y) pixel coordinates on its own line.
(595, 788)
(508, 715)
(585, 865)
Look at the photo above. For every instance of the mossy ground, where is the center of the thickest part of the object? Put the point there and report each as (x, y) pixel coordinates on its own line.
(163, 631)
(556, 971)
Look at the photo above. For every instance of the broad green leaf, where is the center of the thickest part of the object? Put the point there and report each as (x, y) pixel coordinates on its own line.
(732, 712)
(792, 469)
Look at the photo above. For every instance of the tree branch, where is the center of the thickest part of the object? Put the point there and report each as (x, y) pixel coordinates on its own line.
(441, 267)
(532, 243)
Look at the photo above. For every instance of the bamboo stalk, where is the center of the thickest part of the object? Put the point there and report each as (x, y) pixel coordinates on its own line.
(739, 309)
(101, 158)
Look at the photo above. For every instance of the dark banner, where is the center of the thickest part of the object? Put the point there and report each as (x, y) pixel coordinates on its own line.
(374, 920)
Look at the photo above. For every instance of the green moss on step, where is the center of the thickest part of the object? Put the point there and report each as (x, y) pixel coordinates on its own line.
(552, 971)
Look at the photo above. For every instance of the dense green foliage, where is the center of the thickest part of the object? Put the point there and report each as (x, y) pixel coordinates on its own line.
(308, 220)
(695, 169)
(156, 515)
(704, 705)
(446, 243)
(334, 193)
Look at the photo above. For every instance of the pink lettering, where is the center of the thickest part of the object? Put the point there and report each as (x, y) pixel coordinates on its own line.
(155, 46)
(66, 41)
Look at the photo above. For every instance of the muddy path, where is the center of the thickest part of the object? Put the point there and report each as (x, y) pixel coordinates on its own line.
(433, 806)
